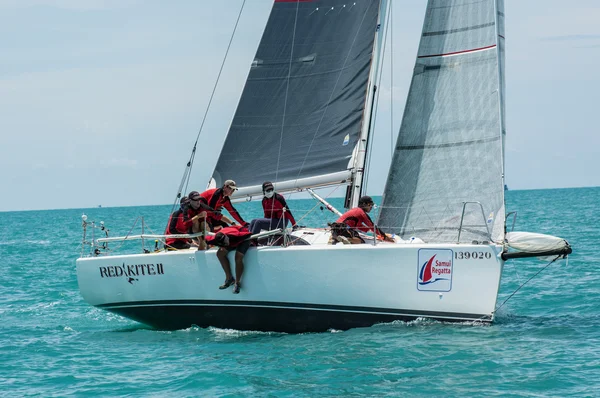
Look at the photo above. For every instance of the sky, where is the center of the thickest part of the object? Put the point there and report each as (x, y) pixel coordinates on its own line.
(101, 100)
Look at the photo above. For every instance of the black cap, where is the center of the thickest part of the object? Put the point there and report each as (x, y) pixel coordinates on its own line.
(365, 200)
(219, 239)
(194, 195)
(184, 201)
(267, 185)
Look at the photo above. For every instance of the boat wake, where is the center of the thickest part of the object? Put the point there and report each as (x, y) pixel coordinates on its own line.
(430, 322)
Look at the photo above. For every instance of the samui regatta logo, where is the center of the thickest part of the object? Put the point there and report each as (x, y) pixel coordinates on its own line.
(131, 271)
(434, 270)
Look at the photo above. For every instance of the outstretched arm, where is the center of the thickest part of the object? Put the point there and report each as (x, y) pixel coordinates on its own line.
(234, 212)
(378, 232)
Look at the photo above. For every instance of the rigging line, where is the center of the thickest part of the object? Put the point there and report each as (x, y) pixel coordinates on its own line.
(128, 233)
(287, 89)
(191, 161)
(184, 180)
(376, 106)
(391, 85)
(332, 92)
(517, 272)
(318, 204)
(519, 288)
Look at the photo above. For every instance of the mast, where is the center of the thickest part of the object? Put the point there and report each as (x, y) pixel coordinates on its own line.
(355, 188)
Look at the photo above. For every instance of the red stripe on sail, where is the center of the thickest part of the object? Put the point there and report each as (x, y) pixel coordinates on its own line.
(457, 52)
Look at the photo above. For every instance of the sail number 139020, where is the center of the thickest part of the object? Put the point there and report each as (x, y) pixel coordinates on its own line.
(460, 255)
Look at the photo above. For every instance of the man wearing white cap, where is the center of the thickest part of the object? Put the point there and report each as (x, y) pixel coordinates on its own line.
(217, 198)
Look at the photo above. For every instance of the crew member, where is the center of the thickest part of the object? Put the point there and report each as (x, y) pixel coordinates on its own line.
(277, 212)
(197, 215)
(179, 224)
(346, 228)
(217, 198)
(230, 238)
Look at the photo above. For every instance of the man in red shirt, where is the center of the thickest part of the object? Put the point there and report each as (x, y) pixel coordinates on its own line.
(217, 198)
(346, 228)
(197, 215)
(277, 212)
(182, 221)
(231, 238)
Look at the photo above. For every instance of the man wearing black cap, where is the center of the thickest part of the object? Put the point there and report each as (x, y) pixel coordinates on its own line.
(177, 218)
(196, 217)
(182, 221)
(277, 212)
(356, 219)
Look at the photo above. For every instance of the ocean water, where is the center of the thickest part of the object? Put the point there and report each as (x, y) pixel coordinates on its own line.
(545, 342)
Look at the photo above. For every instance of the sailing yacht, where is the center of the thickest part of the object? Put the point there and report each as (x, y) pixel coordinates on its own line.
(304, 121)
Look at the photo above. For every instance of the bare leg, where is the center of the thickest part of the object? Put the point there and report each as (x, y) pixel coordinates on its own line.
(222, 256)
(239, 270)
(199, 226)
(201, 242)
(239, 266)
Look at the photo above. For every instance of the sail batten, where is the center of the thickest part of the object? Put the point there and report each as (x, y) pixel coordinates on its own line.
(302, 108)
(446, 178)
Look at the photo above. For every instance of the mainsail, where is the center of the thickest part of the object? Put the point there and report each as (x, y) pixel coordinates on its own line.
(303, 106)
(447, 174)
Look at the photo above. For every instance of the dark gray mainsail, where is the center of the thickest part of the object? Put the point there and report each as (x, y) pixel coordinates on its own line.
(302, 109)
(449, 151)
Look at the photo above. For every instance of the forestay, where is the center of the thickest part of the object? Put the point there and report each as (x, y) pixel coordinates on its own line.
(302, 108)
(450, 146)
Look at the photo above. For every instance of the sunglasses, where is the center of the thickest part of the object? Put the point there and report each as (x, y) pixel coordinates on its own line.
(269, 190)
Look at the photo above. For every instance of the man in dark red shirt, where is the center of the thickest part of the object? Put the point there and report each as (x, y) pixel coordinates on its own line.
(174, 219)
(217, 198)
(197, 215)
(277, 212)
(230, 238)
(356, 219)
(182, 221)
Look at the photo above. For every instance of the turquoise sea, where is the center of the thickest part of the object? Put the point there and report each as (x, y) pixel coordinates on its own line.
(545, 342)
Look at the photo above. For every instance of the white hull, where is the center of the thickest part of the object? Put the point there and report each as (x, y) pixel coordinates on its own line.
(297, 288)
